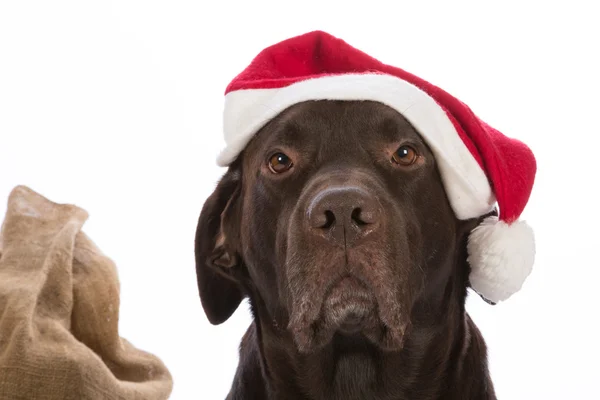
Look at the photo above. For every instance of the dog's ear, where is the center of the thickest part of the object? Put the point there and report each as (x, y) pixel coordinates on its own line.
(218, 263)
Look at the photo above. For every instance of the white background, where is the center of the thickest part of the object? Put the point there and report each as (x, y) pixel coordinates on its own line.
(116, 106)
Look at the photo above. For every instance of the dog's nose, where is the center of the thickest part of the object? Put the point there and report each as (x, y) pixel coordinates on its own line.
(344, 214)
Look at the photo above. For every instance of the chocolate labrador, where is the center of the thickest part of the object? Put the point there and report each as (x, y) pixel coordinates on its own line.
(334, 223)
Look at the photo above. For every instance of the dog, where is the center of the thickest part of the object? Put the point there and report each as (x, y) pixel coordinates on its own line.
(334, 223)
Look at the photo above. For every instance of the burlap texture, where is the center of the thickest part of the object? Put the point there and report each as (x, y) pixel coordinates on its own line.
(59, 312)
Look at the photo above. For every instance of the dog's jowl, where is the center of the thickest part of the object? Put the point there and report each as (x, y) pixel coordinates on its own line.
(359, 206)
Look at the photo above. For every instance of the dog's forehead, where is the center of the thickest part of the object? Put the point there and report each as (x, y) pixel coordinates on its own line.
(317, 121)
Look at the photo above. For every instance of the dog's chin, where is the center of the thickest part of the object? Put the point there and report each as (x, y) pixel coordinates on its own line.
(348, 309)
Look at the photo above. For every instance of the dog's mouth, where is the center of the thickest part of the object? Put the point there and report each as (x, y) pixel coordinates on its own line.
(350, 308)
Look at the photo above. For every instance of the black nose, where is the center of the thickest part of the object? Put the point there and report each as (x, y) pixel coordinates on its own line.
(344, 214)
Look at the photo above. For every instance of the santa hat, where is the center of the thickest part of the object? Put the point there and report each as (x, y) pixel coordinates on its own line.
(479, 166)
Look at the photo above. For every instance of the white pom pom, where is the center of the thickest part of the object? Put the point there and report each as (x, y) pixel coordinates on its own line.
(501, 258)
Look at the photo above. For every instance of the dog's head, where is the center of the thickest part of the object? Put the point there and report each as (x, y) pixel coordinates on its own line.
(334, 220)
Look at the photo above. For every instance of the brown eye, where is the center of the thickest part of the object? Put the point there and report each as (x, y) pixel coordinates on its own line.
(405, 155)
(279, 163)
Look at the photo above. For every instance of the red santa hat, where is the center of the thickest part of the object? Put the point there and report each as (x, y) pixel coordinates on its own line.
(480, 167)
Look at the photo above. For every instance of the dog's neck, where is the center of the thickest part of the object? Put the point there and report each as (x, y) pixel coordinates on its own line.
(441, 360)
(445, 359)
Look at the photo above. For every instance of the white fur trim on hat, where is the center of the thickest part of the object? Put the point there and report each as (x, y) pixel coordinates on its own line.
(501, 256)
(466, 184)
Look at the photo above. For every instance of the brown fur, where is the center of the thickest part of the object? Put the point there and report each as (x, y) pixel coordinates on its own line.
(355, 267)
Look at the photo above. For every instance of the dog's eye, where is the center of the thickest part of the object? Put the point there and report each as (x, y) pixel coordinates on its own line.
(279, 163)
(405, 155)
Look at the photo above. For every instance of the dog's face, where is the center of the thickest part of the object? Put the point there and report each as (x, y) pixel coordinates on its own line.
(334, 220)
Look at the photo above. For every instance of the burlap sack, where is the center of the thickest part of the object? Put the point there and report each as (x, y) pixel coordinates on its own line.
(59, 312)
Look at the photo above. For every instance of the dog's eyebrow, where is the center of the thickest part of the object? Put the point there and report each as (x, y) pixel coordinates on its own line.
(286, 131)
(393, 127)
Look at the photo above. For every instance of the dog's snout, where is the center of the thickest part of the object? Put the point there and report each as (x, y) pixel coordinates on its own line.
(344, 214)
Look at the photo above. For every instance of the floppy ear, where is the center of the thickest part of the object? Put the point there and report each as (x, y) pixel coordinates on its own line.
(218, 263)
